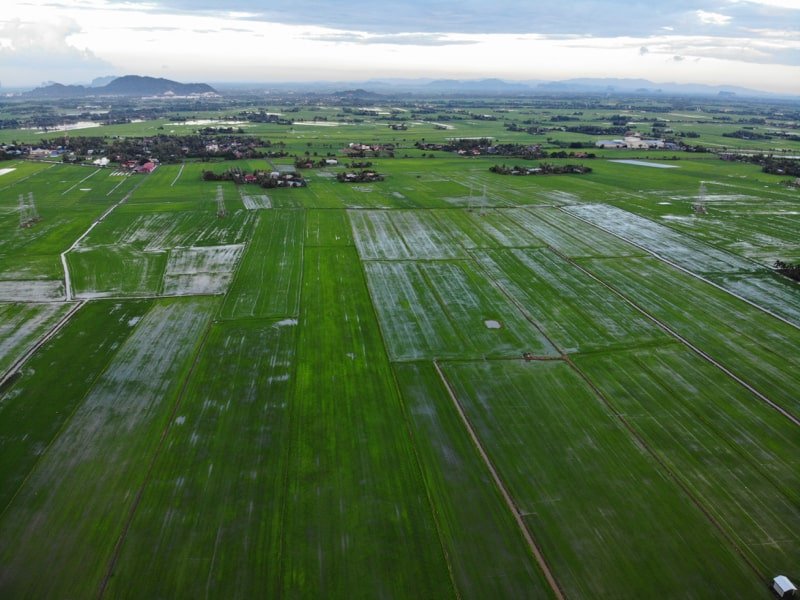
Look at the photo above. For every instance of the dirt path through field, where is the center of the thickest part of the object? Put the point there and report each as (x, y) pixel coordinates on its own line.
(537, 554)
(178, 176)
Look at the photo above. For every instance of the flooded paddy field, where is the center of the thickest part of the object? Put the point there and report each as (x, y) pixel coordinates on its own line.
(448, 383)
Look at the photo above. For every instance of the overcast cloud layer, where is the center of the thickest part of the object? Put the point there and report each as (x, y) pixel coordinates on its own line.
(752, 43)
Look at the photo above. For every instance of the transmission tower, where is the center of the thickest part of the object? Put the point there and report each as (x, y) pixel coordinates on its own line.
(221, 212)
(699, 206)
(32, 208)
(28, 215)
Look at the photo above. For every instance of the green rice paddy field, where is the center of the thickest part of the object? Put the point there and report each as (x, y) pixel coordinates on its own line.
(449, 383)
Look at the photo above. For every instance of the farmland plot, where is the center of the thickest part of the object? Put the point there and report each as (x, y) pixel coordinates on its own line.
(376, 237)
(504, 230)
(357, 515)
(761, 229)
(439, 309)
(576, 312)
(772, 292)
(460, 226)
(450, 193)
(412, 320)
(155, 232)
(755, 346)
(570, 236)
(200, 270)
(39, 290)
(328, 228)
(268, 280)
(674, 246)
(486, 550)
(256, 202)
(738, 455)
(735, 274)
(105, 271)
(21, 266)
(593, 499)
(54, 234)
(216, 493)
(68, 515)
(424, 237)
(487, 319)
(21, 326)
(54, 381)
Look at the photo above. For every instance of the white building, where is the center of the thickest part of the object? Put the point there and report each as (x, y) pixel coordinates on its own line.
(783, 587)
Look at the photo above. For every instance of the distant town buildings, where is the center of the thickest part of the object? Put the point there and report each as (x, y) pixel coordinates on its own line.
(632, 142)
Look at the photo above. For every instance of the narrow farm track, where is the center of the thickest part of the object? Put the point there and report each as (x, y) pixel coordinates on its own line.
(114, 189)
(17, 365)
(535, 550)
(178, 176)
(95, 223)
(65, 192)
(791, 417)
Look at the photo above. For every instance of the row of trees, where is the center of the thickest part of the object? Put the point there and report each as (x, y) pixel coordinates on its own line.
(165, 148)
(788, 269)
(541, 169)
(775, 165)
(359, 177)
(264, 179)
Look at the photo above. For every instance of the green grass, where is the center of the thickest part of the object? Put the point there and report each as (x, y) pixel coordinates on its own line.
(116, 271)
(445, 309)
(77, 500)
(754, 345)
(487, 553)
(268, 281)
(22, 325)
(577, 313)
(216, 491)
(327, 228)
(367, 528)
(749, 481)
(292, 458)
(53, 384)
(590, 494)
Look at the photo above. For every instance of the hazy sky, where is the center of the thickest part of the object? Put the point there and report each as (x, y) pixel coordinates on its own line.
(752, 43)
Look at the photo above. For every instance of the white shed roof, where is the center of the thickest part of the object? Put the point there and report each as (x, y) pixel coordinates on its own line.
(783, 583)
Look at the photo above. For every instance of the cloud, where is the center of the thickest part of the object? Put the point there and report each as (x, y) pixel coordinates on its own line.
(784, 4)
(678, 58)
(402, 39)
(444, 38)
(48, 35)
(31, 49)
(712, 18)
(586, 17)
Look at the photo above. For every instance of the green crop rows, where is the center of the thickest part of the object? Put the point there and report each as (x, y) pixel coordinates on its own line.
(445, 384)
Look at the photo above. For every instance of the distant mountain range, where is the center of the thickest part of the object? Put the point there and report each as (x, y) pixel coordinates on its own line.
(134, 85)
(129, 85)
(500, 87)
